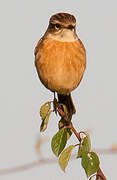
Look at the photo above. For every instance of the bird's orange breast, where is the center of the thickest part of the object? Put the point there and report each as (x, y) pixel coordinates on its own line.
(60, 65)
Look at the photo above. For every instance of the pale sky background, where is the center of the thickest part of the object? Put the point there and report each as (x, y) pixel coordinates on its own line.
(22, 23)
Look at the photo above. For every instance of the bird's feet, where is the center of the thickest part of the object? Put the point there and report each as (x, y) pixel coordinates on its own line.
(62, 110)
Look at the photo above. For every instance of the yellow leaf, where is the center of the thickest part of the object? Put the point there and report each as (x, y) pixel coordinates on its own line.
(65, 156)
(44, 123)
(45, 109)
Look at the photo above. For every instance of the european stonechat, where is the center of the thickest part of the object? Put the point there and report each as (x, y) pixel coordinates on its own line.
(60, 58)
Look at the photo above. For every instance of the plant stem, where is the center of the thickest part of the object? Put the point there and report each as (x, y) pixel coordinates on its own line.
(74, 131)
(100, 175)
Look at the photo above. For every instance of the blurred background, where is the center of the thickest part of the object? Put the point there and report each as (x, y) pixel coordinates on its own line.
(22, 23)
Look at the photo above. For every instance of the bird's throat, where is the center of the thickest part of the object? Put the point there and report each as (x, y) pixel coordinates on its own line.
(64, 36)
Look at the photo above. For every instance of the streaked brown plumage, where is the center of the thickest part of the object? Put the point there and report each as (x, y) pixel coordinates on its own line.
(60, 58)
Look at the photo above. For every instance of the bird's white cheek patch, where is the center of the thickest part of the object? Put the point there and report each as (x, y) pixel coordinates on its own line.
(64, 36)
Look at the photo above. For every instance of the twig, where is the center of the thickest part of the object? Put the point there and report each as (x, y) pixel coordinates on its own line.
(40, 162)
(26, 166)
(74, 131)
(100, 175)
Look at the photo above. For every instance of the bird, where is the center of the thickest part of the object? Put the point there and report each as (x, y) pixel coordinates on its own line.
(60, 58)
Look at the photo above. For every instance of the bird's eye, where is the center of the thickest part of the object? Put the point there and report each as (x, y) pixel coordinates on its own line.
(57, 26)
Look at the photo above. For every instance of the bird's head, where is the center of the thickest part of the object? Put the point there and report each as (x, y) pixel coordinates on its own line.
(62, 27)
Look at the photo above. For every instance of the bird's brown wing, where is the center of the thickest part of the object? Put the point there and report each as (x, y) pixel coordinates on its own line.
(38, 46)
(82, 45)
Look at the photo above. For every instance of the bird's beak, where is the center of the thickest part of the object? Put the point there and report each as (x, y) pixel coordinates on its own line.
(67, 32)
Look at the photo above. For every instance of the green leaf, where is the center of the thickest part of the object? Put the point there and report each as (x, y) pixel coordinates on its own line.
(65, 156)
(90, 163)
(62, 123)
(69, 133)
(45, 108)
(44, 123)
(59, 141)
(85, 145)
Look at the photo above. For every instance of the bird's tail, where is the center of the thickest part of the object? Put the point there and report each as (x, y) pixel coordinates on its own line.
(67, 101)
